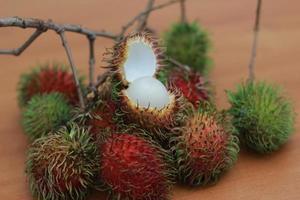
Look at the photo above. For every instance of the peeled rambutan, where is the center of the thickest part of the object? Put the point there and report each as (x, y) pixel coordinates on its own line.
(189, 44)
(62, 165)
(135, 168)
(45, 113)
(263, 117)
(144, 99)
(47, 79)
(204, 147)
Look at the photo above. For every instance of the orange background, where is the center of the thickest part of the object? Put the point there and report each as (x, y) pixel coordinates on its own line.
(230, 23)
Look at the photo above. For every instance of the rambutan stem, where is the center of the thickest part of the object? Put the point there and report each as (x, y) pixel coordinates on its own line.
(143, 20)
(183, 12)
(73, 67)
(137, 17)
(92, 59)
(255, 41)
(27, 43)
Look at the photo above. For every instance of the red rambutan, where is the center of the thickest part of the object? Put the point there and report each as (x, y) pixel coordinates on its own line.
(102, 118)
(135, 168)
(47, 79)
(191, 84)
(205, 148)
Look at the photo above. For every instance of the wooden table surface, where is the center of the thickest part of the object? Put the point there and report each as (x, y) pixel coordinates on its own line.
(274, 177)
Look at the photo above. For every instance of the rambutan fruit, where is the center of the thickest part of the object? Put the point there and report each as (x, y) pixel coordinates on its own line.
(100, 119)
(132, 167)
(190, 83)
(263, 117)
(189, 44)
(144, 99)
(137, 55)
(63, 165)
(45, 113)
(47, 79)
(204, 147)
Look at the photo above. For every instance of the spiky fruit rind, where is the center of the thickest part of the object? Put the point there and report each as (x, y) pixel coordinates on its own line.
(63, 165)
(47, 79)
(45, 113)
(99, 119)
(117, 56)
(155, 121)
(193, 86)
(135, 168)
(263, 117)
(189, 44)
(204, 147)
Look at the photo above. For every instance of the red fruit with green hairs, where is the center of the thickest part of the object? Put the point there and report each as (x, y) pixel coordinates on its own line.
(102, 118)
(135, 168)
(205, 147)
(191, 84)
(47, 79)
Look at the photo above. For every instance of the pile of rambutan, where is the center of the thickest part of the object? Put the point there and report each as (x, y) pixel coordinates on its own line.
(146, 125)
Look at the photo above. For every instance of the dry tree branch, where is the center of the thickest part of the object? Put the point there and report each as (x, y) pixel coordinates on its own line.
(183, 13)
(91, 59)
(42, 26)
(144, 18)
(255, 40)
(27, 43)
(50, 25)
(72, 64)
(137, 17)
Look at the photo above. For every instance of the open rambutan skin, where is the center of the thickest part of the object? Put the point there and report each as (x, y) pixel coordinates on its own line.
(48, 79)
(118, 55)
(135, 168)
(139, 57)
(205, 147)
(191, 84)
(62, 165)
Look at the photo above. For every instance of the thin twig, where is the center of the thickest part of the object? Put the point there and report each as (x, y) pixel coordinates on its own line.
(255, 40)
(183, 12)
(177, 63)
(73, 67)
(27, 43)
(49, 24)
(144, 18)
(91, 60)
(137, 17)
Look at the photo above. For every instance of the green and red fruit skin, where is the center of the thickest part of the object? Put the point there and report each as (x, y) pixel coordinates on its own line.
(46, 80)
(191, 84)
(103, 119)
(62, 165)
(205, 147)
(134, 168)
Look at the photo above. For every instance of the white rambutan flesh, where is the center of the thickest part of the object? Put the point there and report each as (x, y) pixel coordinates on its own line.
(148, 92)
(140, 62)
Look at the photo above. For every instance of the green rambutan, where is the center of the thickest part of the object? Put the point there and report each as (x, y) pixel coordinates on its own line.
(47, 79)
(63, 165)
(263, 117)
(204, 147)
(45, 113)
(189, 44)
(135, 168)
